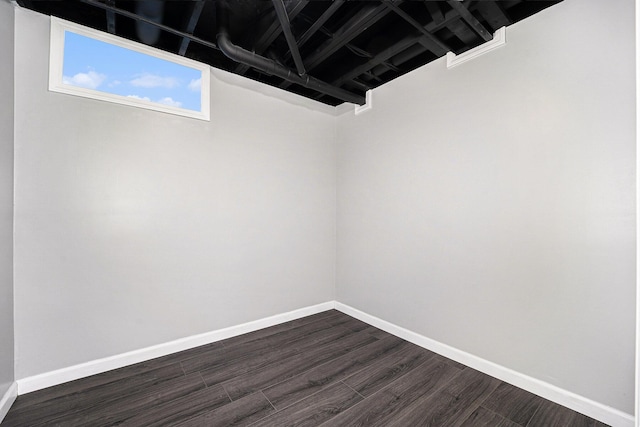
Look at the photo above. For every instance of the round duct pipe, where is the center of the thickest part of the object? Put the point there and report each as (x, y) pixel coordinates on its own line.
(154, 11)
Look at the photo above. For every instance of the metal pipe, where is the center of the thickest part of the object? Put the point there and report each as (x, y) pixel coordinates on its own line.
(281, 11)
(153, 10)
(111, 18)
(243, 56)
(273, 31)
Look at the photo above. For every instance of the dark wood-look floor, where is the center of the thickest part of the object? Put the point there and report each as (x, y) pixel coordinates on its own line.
(328, 369)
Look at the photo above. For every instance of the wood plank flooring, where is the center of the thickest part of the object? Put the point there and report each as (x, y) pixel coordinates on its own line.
(328, 369)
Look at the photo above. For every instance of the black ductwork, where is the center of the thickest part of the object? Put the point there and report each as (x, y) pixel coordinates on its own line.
(251, 59)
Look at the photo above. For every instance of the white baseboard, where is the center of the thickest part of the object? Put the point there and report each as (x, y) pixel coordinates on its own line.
(548, 391)
(7, 400)
(48, 379)
(603, 413)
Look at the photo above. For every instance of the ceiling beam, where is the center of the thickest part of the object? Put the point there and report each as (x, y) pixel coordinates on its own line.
(394, 50)
(493, 13)
(194, 16)
(335, 5)
(372, 76)
(363, 19)
(273, 31)
(281, 12)
(468, 17)
(381, 57)
(111, 18)
(409, 53)
(440, 47)
(270, 66)
(463, 32)
(379, 70)
(433, 8)
(353, 48)
(360, 52)
(367, 17)
(132, 15)
(361, 86)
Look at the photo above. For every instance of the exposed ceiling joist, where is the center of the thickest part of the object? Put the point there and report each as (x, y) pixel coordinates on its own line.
(111, 18)
(273, 31)
(463, 32)
(166, 28)
(437, 46)
(194, 16)
(468, 17)
(335, 5)
(434, 10)
(494, 14)
(281, 12)
(270, 66)
(378, 59)
(392, 51)
(356, 45)
(362, 20)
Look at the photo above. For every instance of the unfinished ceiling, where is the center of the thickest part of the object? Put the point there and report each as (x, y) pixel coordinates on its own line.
(330, 51)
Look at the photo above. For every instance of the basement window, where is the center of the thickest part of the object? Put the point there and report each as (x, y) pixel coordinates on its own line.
(93, 64)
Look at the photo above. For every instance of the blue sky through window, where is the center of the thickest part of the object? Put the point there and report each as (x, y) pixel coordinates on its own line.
(94, 64)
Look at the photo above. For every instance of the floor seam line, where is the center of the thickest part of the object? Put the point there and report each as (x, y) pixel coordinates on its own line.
(202, 379)
(534, 414)
(401, 376)
(388, 355)
(225, 390)
(272, 405)
(307, 397)
(314, 367)
(351, 388)
(500, 415)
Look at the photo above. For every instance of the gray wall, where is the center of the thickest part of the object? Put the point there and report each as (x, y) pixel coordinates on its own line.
(492, 209)
(491, 206)
(6, 196)
(135, 227)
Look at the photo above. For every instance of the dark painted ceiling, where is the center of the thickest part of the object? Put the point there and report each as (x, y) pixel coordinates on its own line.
(331, 51)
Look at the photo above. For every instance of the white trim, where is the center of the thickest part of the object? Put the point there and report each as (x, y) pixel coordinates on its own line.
(556, 394)
(368, 105)
(56, 56)
(7, 400)
(499, 39)
(637, 373)
(548, 391)
(48, 379)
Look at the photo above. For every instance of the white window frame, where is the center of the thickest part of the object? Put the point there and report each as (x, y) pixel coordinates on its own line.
(56, 62)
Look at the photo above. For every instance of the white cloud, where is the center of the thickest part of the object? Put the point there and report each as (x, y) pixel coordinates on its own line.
(145, 98)
(90, 80)
(169, 101)
(114, 83)
(195, 84)
(151, 80)
(164, 101)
